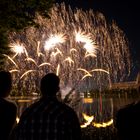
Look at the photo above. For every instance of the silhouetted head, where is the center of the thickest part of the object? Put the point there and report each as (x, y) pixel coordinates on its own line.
(49, 84)
(5, 83)
(127, 122)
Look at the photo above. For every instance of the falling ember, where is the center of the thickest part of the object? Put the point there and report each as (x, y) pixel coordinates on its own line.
(30, 59)
(58, 69)
(29, 71)
(69, 60)
(87, 73)
(100, 70)
(76, 45)
(73, 50)
(43, 64)
(11, 60)
(90, 54)
(38, 48)
(11, 71)
(58, 52)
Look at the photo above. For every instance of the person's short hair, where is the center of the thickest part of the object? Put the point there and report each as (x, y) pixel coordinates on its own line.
(5, 83)
(128, 120)
(49, 84)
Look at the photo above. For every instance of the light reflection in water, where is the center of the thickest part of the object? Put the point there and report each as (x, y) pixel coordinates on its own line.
(100, 110)
(96, 110)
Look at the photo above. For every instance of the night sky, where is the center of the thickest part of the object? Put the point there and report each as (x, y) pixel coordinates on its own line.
(126, 14)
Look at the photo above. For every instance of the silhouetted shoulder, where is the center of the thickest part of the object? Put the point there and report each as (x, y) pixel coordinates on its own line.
(128, 120)
(8, 118)
(8, 104)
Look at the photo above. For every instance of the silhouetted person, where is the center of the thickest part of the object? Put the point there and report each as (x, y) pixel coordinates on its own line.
(128, 122)
(48, 118)
(8, 110)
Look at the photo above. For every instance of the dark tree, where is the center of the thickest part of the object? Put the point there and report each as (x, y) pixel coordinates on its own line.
(19, 14)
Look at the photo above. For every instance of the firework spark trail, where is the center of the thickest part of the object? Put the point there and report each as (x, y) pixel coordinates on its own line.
(58, 52)
(29, 71)
(11, 60)
(43, 64)
(15, 70)
(83, 37)
(58, 69)
(102, 70)
(30, 59)
(69, 60)
(87, 73)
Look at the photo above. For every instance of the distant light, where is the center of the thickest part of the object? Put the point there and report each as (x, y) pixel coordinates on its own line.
(88, 100)
(17, 119)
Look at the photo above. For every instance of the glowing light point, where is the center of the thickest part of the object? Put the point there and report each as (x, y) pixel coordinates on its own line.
(54, 40)
(86, 39)
(17, 48)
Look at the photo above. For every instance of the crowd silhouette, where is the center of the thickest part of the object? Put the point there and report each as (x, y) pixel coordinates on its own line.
(8, 109)
(50, 119)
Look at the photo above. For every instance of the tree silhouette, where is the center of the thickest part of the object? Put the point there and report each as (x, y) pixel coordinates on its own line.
(19, 14)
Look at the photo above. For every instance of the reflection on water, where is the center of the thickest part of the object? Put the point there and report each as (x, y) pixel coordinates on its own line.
(93, 113)
(23, 103)
(102, 109)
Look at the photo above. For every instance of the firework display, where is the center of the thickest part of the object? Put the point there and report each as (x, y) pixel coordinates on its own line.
(81, 47)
